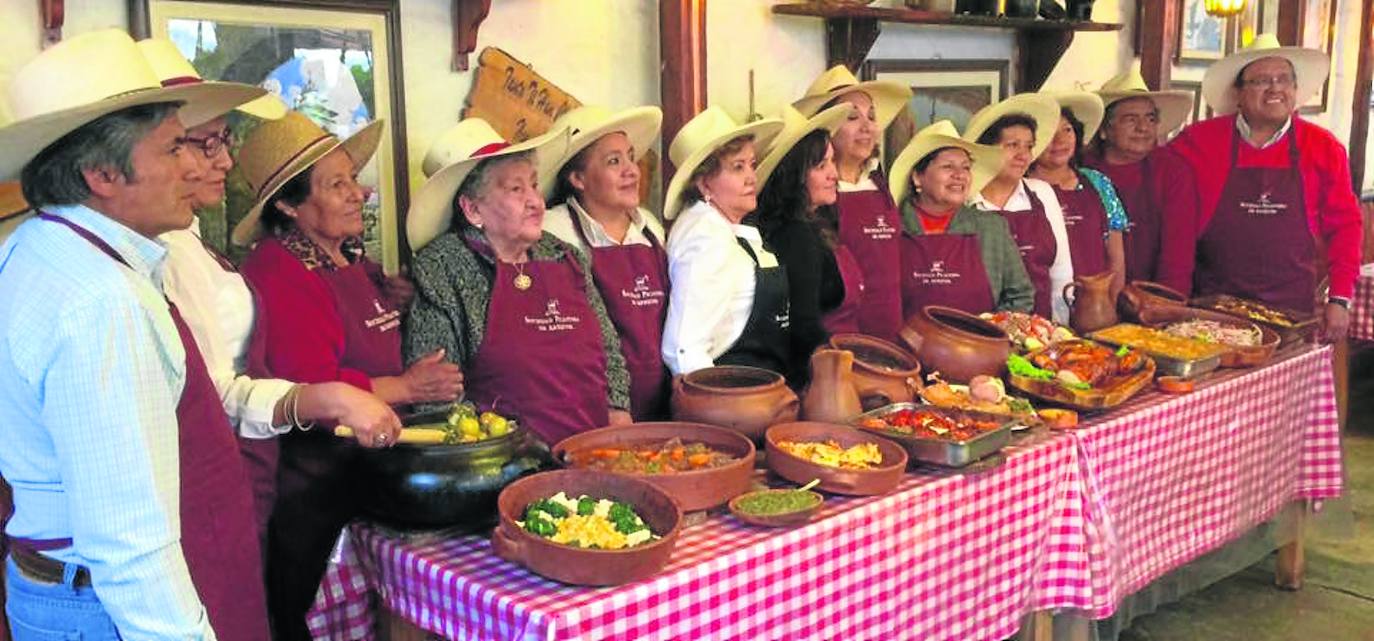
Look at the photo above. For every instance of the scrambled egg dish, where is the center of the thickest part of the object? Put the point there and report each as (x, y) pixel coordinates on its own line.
(586, 522)
(829, 453)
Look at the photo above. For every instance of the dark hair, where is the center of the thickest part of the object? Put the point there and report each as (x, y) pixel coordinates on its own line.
(993, 134)
(1099, 141)
(924, 163)
(712, 166)
(1239, 82)
(839, 99)
(54, 176)
(294, 192)
(475, 184)
(1077, 126)
(563, 188)
(784, 198)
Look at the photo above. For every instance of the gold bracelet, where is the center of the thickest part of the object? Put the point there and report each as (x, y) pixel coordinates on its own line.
(295, 409)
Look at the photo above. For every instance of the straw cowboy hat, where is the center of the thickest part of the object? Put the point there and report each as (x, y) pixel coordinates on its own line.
(889, 98)
(1040, 108)
(1086, 106)
(987, 159)
(89, 76)
(279, 150)
(705, 133)
(588, 123)
(1310, 65)
(173, 69)
(453, 156)
(795, 126)
(1174, 105)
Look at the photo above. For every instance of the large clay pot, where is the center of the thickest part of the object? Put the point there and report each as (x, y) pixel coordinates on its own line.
(1140, 295)
(1091, 307)
(831, 397)
(883, 373)
(955, 343)
(744, 399)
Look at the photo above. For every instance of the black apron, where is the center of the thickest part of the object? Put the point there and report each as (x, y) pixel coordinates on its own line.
(765, 341)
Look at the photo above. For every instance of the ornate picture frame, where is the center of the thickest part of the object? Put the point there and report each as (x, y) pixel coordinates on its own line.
(952, 89)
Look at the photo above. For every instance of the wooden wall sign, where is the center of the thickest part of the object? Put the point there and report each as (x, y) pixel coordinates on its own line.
(517, 102)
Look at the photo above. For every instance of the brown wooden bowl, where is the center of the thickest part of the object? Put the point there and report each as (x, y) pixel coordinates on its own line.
(695, 490)
(1140, 295)
(1093, 399)
(879, 480)
(580, 566)
(1161, 317)
(787, 519)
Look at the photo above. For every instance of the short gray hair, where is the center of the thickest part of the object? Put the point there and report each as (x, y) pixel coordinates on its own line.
(476, 183)
(54, 176)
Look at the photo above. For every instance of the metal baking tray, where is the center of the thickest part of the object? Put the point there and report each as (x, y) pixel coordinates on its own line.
(1171, 366)
(939, 451)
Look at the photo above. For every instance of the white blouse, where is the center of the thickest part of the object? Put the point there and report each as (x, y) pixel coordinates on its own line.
(218, 308)
(713, 282)
(559, 222)
(1061, 271)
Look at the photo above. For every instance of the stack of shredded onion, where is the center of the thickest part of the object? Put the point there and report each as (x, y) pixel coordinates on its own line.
(1210, 331)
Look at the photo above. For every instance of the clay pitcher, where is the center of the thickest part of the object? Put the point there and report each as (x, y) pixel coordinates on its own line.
(745, 399)
(1091, 307)
(1140, 295)
(955, 343)
(883, 372)
(831, 397)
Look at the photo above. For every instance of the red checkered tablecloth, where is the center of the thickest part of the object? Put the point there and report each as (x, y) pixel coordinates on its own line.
(1362, 309)
(1166, 480)
(945, 557)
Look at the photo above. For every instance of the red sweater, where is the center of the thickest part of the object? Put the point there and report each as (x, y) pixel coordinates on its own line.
(1333, 212)
(303, 330)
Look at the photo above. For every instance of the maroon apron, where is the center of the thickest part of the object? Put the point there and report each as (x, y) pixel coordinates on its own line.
(316, 477)
(542, 359)
(218, 533)
(844, 319)
(1035, 240)
(1085, 221)
(870, 226)
(944, 269)
(633, 281)
(1134, 184)
(1258, 244)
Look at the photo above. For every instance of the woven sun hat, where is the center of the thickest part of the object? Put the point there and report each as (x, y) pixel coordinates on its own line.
(1086, 106)
(173, 69)
(795, 126)
(1174, 105)
(1040, 108)
(588, 123)
(702, 136)
(454, 155)
(95, 74)
(1218, 84)
(278, 150)
(987, 159)
(889, 98)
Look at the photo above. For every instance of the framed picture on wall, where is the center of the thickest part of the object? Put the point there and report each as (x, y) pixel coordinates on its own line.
(1200, 109)
(336, 61)
(941, 89)
(1319, 32)
(1202, 38)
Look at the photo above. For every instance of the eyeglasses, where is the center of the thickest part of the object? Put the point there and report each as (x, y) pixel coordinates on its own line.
(1281, 81)
(212, 144)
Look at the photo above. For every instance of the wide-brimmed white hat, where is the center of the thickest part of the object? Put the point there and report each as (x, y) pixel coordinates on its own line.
(453, 156)
(1086, 106)
(889, 98)
(1174, 105)
(89, 76)
(1040, 108)
(588, 123)
(987, 159)
(278, 150)
(174, 70)
(702, 136)
(796, 126)
(1310, 65)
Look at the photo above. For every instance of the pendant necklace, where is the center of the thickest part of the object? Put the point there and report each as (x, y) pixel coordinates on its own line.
(522, 280)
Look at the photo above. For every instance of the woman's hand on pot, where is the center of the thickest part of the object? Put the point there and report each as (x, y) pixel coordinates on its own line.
(374, 423)
(433, 379)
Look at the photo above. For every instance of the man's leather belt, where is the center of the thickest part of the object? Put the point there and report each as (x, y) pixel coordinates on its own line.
(40, 568)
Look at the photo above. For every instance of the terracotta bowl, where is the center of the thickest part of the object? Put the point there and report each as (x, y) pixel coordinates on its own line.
(883, 372)
(695, 490)
(744, 399)
(955, 343)
(1161, 317)
(879, 480)
(578, 566)
(787, 519)
(1141, 295)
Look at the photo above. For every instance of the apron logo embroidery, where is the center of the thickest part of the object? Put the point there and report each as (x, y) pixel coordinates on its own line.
(553, 320)
(1263, 206)
(880, 230)
(384, 321)
(643, 293)
(936, 275)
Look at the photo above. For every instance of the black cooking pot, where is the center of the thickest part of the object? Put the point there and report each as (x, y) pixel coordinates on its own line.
(443, 486)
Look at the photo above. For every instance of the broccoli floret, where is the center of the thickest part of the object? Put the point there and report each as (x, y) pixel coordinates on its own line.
(624, 518)
(548, 507)
(586, 506)
(537, 525)
(619, 511)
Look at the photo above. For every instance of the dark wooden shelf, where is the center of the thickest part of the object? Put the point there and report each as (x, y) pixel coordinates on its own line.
(851, 32)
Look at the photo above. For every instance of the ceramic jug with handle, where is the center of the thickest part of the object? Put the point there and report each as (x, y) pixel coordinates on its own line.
(1091, 307)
